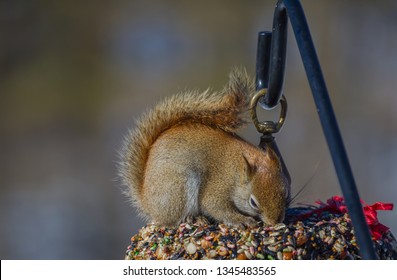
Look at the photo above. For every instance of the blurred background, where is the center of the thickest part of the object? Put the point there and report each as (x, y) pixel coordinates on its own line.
(75, 74)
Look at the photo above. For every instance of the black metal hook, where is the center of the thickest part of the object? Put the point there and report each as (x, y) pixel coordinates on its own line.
(270, 73)
(270, 59)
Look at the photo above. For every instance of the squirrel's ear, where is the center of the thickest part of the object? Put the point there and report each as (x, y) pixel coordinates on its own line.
(272, 157)
(249, 168)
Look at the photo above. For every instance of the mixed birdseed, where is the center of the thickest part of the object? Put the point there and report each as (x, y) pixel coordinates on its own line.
(322, 235)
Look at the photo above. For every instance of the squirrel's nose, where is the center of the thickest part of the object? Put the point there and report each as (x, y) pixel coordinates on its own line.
(271, 220)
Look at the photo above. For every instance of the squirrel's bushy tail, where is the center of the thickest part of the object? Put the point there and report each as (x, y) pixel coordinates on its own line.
(223, 110)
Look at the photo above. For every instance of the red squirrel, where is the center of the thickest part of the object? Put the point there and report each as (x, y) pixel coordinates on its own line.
(183, 159)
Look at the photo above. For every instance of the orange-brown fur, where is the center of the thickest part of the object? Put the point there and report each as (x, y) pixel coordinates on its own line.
(184, 159)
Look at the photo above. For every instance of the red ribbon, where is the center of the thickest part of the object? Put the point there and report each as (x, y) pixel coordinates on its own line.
(337, 204)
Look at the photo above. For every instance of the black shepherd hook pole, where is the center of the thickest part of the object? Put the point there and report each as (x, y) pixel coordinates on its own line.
(270, 74)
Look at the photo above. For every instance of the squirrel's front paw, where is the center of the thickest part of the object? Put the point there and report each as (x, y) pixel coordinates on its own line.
(250, 222)
(243, 222)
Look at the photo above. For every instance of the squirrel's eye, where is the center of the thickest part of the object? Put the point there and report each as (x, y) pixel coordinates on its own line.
(253, 202)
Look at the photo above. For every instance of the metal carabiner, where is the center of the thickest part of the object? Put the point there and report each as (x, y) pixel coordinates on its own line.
(267, 128)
